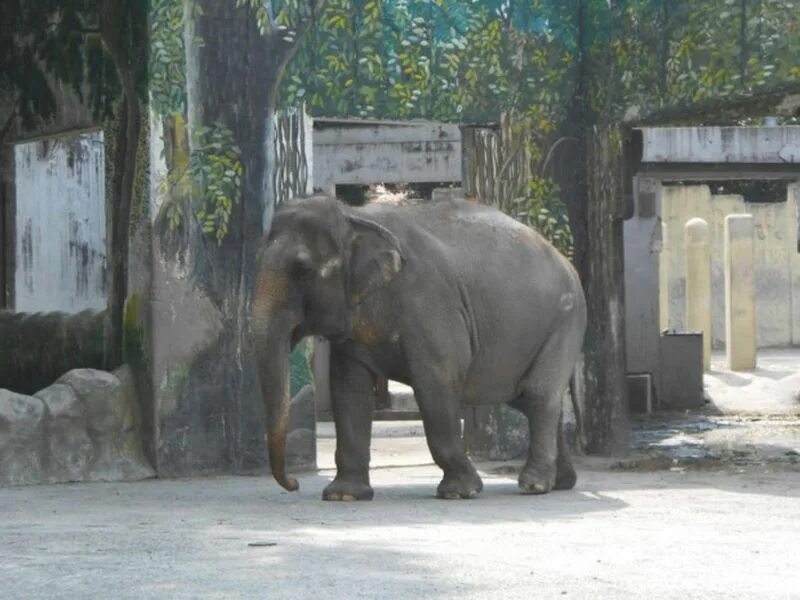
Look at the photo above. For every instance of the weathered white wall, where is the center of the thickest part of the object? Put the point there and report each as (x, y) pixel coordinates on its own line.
(60, 224)
(363, 152)
(776, 259)
(776, 145)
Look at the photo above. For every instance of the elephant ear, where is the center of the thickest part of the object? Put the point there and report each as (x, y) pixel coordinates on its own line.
(375, 257)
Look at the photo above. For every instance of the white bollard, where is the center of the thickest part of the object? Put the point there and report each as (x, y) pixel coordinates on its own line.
(698, 283)
(740, 293)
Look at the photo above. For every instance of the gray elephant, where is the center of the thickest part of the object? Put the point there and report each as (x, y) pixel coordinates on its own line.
(453, 298)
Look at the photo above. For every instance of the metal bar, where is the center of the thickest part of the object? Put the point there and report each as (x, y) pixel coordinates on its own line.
(66, 133)
(718, 172)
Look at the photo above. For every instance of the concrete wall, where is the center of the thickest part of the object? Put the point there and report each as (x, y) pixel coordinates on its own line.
(642, 250)
(37, 349)
(754, 145)
(60, 225)
(777, 260)
(361, 152)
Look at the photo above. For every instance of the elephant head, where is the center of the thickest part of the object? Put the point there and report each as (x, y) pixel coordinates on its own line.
(319, 261)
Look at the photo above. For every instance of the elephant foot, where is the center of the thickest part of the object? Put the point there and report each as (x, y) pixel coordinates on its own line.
(536, 480)
(343, 490)
(460, 486)
(565, 477)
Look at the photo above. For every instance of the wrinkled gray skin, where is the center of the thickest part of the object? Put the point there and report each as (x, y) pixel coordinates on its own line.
(453, 298)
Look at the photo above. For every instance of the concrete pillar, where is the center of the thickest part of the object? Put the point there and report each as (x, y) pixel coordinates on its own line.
(698, 283)
(663, 279)
(793, 247)
(740, 295)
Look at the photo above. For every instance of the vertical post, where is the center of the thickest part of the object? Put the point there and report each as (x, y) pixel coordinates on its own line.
(740, 297)
(698, 283)
(663, 279)
(793, 247)
(8, 191)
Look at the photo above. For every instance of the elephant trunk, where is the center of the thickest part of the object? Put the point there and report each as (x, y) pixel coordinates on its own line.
(272, 341)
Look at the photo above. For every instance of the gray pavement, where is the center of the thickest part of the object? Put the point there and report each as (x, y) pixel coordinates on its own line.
(732, 533)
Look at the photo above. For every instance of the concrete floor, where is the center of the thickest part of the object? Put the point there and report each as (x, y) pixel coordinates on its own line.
(773, 388)
(626, 531)
(666, 534)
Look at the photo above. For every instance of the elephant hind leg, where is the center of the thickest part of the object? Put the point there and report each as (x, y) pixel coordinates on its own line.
(566, 477)
(440, 408)
(548, 465)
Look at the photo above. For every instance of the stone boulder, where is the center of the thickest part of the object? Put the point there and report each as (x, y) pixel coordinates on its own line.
(110, 403)
(82, 428)
(22, 443)
(69, 448)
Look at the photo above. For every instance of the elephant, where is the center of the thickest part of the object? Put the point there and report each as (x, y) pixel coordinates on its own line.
(454, 298)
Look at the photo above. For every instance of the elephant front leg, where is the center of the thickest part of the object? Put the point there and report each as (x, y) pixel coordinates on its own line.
(353, 403)
(440, 408)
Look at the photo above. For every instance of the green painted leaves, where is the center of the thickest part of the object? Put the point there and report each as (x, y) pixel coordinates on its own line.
(206, 183)
(216, 170)
(167, 57)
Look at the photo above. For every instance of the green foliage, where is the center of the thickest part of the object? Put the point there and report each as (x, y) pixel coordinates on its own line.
(217, 176)
(438, 59)
(204, 183)
(660, 52)
(211, 179)
(133, 332)
(167, 57)
(300, 370)
(208, 185)
(543, 210)
(43, 41)
(285, 16)
(471, 61)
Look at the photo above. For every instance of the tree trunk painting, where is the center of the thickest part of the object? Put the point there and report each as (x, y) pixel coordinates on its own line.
(205, 381)
(128, 46)
(605, 396)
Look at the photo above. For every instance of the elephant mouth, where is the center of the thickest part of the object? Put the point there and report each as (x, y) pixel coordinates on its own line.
(297, 335)
(337, 338)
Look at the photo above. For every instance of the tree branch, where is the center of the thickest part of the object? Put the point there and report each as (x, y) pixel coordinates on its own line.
(8, 124)
(273, 23)
(556, 144)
